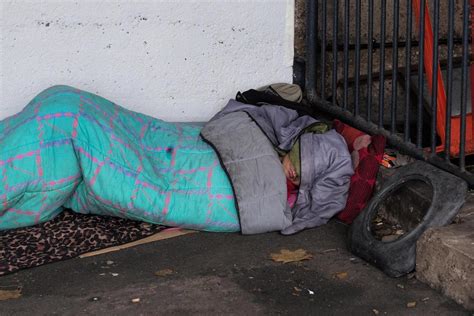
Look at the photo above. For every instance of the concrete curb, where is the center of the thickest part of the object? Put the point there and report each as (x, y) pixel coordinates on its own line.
(445, 257)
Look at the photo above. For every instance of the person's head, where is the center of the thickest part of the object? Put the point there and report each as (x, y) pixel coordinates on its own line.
(290, 170)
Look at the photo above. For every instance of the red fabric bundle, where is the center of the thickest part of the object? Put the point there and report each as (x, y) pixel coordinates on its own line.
(366, 152)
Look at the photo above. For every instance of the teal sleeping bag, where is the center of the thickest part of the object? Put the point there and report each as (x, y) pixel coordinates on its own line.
(70, 148)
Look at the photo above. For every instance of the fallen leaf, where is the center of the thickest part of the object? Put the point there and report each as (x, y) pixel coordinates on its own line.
(341, 275)
(136, 300)
(163, 272)
(401, 286)
(9, 294)
(411, 304)
(297, 289)
(376, 312)
(286, 256)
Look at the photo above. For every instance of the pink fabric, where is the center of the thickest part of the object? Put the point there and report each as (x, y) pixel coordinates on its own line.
(292, 193)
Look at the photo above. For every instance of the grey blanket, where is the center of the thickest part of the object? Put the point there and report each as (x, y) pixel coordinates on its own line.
(255, 171)
(245, 136)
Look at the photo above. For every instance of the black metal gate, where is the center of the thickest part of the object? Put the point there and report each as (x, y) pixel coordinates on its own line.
(399, 68)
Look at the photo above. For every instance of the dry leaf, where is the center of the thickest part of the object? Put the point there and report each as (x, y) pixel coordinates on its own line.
(376, 312)
(8, 295)
(286, 255)
(164, 272)
(341, 275)
(411, 304)
(297, 289)
(136, 300)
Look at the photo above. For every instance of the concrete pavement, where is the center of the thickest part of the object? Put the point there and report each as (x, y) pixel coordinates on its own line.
(223, 274)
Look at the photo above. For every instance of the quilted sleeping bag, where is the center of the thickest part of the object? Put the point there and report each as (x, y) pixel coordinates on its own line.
(70, 148)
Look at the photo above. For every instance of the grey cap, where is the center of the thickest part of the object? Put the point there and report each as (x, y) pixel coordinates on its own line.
(287, 91)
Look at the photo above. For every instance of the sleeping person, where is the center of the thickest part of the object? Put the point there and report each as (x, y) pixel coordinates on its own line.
(71, 148)
(318, 184)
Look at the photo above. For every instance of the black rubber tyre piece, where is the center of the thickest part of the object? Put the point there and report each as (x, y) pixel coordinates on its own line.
(397, 258)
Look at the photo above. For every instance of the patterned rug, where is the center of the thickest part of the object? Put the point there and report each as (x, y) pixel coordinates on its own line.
(66, 236)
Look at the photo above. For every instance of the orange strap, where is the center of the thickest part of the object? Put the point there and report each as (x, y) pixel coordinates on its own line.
(428, 63)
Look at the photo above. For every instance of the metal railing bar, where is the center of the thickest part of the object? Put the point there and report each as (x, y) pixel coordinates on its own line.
(323, 51)
(465, 67)
(370, 32)
(311, 32)
(383, 15)
(334, 52)
(346, 52)
(421, 53)
(409, 14)
(449, 88)
(393, 106)
(357, 59)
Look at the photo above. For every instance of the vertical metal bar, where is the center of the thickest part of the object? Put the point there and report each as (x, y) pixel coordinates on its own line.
(434, 89)
(449, 90)
(408, 70)
(421, 51)
(346, 52)
(357, 59)
(393, 115)
(369, 59)
(311, 31)
(323, 49)
(465, 65)
(382, 62)
(334, 52)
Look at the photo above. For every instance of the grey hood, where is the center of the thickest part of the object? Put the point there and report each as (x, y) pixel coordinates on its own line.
(281, 125)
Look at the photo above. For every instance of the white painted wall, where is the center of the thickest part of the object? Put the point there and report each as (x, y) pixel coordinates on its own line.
(176, 60)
